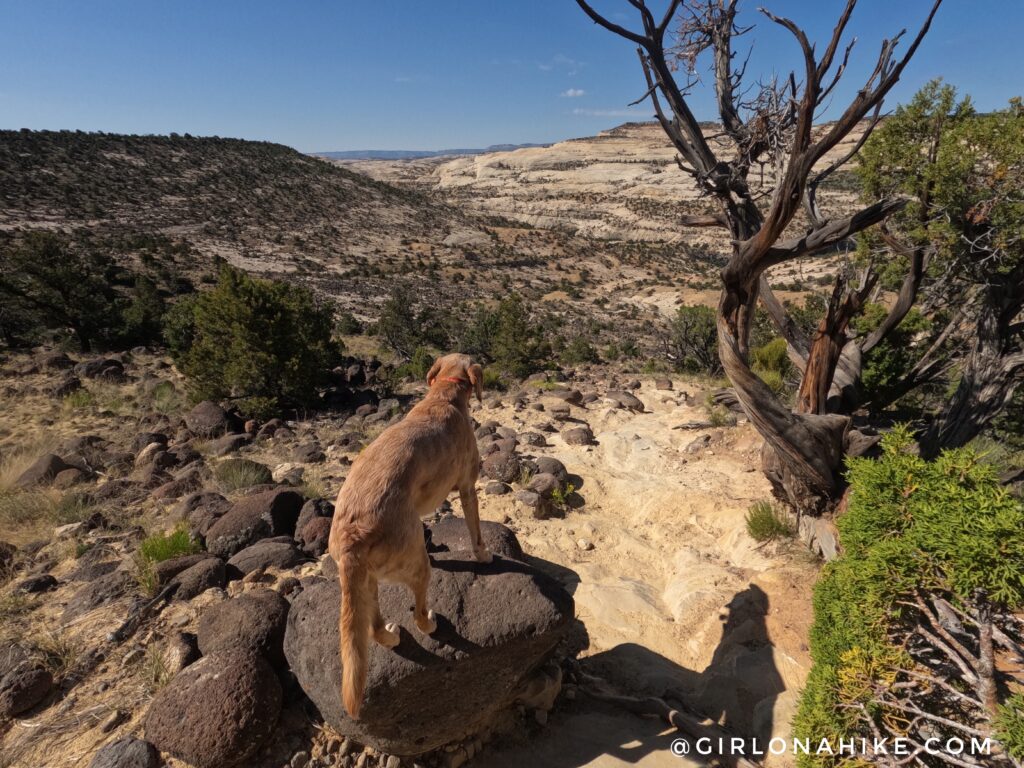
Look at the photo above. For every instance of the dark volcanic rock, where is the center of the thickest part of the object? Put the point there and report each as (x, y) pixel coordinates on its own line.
(253, 622)
(34, 584)
(217, 712)
(22, 688)
(260, 516)
(450, 534)
(202, 509)
(313, 508)
(281, 553)
(98, 592)
(314, 535)
(166, 570)
(578, 436)
(496, 624)
(228, 444)
(204, 575)
(44, 470)
(208, 419)
(128, 752)
(501, 465)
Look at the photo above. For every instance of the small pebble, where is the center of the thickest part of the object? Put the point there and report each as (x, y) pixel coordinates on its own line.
(300, 760)
(394, 761)
(132, 656)
(541, 717)
(584, 544)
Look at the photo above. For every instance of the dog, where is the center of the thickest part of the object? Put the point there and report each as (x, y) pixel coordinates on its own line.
(377, 535)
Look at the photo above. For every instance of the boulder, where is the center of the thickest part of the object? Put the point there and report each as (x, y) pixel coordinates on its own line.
(551, 466)
(313, 508)
(35, 584)
(534, 439)
(450, 534)
(208, 419)
(217, 712)
(543, 484)
(309, 453)
(22, 688)
(497, 623)
(69, 384)
(497, 488)
(97, 593)
(202, 509)
(206, 574)
(128, 752)
(68, 478)
(144, 439)
(7, 552)
(502, 465)
(167, 569)
(228, 444)
(663, 384)
(625, 400)
(280, 553)
(42, 471)
(260, 516)
(578, 436)
(253, 622)
(314, 535)
(54, 361)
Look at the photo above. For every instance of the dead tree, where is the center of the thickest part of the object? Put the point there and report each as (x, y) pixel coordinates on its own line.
(771, 127)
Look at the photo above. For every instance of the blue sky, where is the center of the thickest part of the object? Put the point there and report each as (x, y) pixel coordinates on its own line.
(417, 74)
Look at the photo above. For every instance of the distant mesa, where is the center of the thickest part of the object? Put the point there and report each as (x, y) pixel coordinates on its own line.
(414, 154)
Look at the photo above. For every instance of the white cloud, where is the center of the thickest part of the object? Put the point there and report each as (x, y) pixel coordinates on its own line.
(563, 63)
(574, 93)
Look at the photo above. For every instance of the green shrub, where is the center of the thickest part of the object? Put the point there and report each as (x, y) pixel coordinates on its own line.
(765, 522)
(1010, 725)
(163, 546)
(159, 547)
(693, 340)
(912, 525)
(235, 474)
(771, 362)
(578, 351)
(265, 343)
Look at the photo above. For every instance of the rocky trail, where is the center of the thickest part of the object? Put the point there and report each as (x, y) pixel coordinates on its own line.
(637, 564)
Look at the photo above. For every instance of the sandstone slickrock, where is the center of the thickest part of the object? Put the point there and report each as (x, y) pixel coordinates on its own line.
(497, 623)
(217, 712)
(128, 752)
(260, 516)
(253, 622)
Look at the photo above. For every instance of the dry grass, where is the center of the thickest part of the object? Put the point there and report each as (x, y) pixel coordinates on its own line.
(15, 459)
(33, 514)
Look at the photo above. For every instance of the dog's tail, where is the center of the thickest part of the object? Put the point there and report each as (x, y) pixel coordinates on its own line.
(356, 616)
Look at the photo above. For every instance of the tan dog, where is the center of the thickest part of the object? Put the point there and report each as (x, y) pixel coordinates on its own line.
(377, 535)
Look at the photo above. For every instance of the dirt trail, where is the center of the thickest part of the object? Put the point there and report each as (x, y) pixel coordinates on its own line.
(674, 595)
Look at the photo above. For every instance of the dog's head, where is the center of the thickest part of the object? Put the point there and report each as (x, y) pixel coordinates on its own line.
(458, 369)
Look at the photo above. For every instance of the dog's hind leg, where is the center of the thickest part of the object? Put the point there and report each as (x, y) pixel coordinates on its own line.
(385, 634)
(467, 494)
(419, 582)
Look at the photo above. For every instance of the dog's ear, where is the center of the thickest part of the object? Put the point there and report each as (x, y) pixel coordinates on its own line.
(476, 378)
(432, 373)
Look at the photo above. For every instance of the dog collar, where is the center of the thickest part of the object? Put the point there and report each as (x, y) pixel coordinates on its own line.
(455, 380)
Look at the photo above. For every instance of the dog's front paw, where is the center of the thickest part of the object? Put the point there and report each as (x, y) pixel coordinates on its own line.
(428, 625)
(483, 555)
